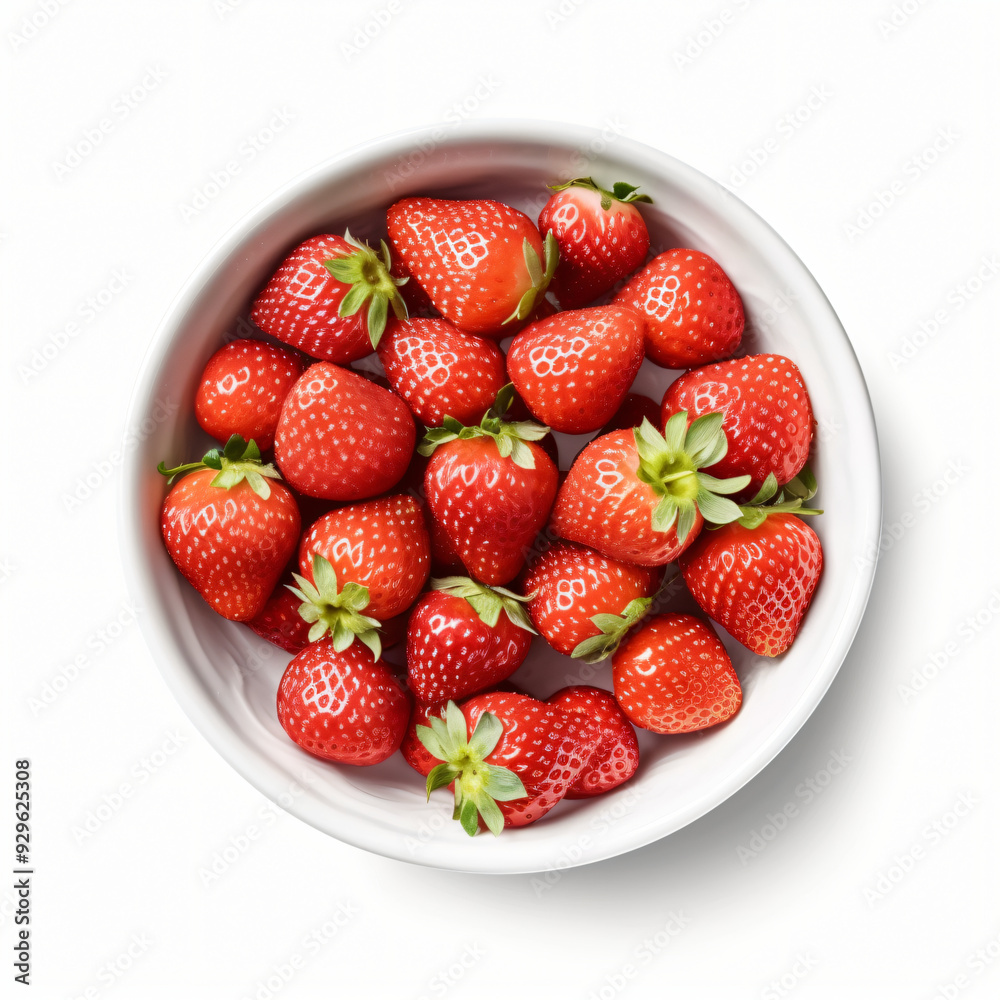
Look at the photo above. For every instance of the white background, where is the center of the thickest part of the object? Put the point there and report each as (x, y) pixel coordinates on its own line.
(883, 882)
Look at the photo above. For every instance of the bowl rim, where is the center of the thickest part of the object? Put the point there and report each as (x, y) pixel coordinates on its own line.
(260, 772)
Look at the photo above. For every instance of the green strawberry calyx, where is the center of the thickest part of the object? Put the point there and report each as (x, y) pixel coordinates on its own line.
(487, 602)
(540, 277)
(623, 192)
(510, 436)
(789, 500)
(613, 628)
(671, 463)
(238, 460)
(478, 785)
(338, 613)
(371, 281)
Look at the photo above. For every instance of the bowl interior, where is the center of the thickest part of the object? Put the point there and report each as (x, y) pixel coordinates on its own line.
(226, 678)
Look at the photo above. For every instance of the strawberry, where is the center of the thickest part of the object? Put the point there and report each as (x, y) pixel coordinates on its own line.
(413, 751)
(756, 582)
(767, 415)
(633, 410)
(573, 369)
(342, 437)
(279, 620)
(581, 598)
(462, 638)
(342, 706)
(600, 234)
(380, 545)
(673, 675)
(314, 300)
(511, 757)
(616, 755)
(479, 261)
(441, 371)
(242, 389)
(490, 488)
(693, 313)
(228, 529)
(640, 497)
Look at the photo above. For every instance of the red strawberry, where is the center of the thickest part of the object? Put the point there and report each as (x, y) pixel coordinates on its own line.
(341, 436)
(228, 529)
(342, 706)
(574, 368)
(616, 756)
(381, 545)
(441, 371)
(767, 415)
(479, 261)
(573, 586)
(756, 582)
(601, 237)
(242, 389)
(464, 637)
(314, 300)
(639, 497)
(673, 675)
(511, 758)
(413, 751)
(490, 489)
(279, 620)
(633, 410)
(693, 313)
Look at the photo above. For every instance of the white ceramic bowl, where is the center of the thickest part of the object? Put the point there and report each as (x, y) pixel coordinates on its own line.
(225, 677)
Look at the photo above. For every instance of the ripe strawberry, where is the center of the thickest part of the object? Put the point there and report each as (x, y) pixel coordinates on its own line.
(640, 497)
(600, 234)
(580, 597)
(228, 530)
(693, 313)
(314, 300)
(413, 751)
(441, 371)
(616, 756)
(573, 369)
(479, 261)
(343, 706)
(242, 389)
(511, 758)
(279, 620)
(458, 641)
(767, 415)
(380, 545)
(673, 675)
(633, 410)
(490, 489)
(342, 437)
(756, 582)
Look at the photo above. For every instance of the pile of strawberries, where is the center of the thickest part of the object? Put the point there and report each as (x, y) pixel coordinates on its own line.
(446, 465)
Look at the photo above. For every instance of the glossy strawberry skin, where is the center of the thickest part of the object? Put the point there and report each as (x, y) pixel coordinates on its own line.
(490, 508)
(413, 751)
(441, 371)
(604, 505)
(673, 675)
(300, 303)
(342, 437)
(572, 583)
(597, 246)
(616, 757)
(767, 414)
(231, 545)
(279, 621)
(452, 653)
(382, 544)
(756, 583)
(468, 256)
(692, 312)
(545, 746)
(242, 388)
(346, 707)
(573, 369)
